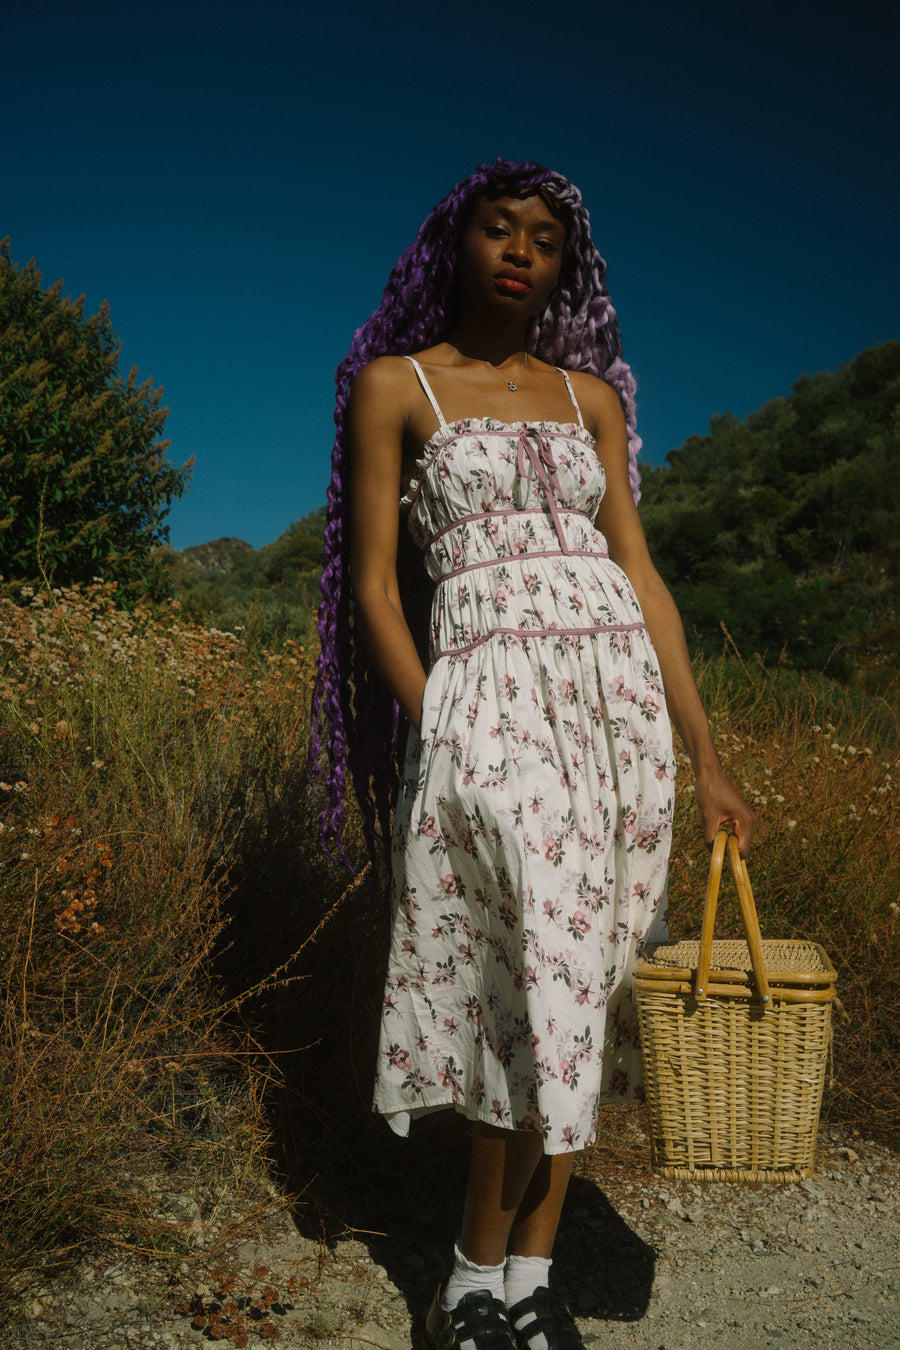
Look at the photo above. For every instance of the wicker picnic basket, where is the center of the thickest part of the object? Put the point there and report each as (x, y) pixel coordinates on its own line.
(735, 1038)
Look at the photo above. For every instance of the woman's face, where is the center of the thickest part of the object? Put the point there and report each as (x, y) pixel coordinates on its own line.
(511, 255)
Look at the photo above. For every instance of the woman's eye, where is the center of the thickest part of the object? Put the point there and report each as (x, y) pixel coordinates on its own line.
(495, 231)
(546, 246)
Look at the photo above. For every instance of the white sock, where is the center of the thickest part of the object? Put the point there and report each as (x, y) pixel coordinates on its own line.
(523, 1275)
(466, 1276)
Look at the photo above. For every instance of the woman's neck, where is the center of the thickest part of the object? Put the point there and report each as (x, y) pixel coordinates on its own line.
(494, 346)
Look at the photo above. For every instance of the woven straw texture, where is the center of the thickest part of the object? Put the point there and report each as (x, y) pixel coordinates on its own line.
(734, 1089)
(734, 1076)
(800, 963)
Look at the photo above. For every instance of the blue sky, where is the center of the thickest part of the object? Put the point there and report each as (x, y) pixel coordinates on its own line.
(237, 181)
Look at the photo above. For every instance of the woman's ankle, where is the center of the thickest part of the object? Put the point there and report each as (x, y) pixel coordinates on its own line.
(467, 1276)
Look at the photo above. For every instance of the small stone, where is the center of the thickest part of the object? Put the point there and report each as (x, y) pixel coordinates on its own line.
(249, 1251)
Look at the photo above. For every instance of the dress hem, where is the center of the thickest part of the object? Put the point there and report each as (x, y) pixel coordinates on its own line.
(400, 1120)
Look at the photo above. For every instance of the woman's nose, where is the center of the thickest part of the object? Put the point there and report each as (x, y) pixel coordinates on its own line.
(519, 250)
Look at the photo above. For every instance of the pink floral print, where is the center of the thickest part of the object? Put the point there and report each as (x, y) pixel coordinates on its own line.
(532, 830)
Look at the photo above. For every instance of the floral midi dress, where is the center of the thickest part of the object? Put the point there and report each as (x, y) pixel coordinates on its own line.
(534, 818)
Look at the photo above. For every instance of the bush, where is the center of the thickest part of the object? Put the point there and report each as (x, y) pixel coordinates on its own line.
(84, 482)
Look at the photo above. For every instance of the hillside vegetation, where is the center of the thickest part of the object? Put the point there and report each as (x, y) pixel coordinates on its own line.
(266, 594)
(786, 526)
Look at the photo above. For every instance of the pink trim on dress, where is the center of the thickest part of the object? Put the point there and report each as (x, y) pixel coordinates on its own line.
(521, 558)
(503, 511)
(538, 633)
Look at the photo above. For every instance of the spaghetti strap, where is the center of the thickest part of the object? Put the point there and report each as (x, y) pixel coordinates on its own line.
(427, 387)
(565, 375)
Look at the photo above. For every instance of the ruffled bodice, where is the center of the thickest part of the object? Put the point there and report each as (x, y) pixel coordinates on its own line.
(478, 503)
(501, 511)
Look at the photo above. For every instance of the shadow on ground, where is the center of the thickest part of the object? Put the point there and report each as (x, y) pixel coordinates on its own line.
(351, 1175)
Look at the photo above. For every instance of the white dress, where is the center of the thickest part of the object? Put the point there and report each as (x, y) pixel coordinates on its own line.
(534, 819)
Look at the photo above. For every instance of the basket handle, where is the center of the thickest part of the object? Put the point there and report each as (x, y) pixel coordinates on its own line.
(727, 842)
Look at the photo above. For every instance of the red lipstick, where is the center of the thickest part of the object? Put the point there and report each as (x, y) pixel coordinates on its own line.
(512, 282)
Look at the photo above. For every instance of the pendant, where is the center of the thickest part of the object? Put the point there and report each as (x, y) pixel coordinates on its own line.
(513, 388)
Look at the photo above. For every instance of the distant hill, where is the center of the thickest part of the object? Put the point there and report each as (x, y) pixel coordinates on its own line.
(267, 593)
(786, 526)
(218, 556)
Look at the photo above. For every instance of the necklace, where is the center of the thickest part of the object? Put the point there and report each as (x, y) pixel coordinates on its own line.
(510, 384)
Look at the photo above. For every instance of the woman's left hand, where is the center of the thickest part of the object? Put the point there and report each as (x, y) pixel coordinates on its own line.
(720, 803)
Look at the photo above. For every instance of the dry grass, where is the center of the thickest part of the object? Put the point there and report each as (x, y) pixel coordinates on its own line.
(159, 858)
(141, 758)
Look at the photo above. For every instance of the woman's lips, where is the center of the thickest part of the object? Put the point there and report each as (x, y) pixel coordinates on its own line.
(511, 284)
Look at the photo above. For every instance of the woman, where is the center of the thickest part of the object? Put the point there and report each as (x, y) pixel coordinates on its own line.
(487, 402)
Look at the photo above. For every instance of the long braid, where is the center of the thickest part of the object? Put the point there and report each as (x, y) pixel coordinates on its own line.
(579, 329)
(354, 719)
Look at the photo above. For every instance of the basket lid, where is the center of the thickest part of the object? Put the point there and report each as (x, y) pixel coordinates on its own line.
(787, 961)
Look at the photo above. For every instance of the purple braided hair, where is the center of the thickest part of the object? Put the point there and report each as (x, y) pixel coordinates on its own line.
(354, 718)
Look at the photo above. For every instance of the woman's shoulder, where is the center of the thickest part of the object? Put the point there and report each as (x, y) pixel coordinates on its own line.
(392, 376)
(592, 386)
(386, 377)
(596, 396)
(599, 402)
(382, 368)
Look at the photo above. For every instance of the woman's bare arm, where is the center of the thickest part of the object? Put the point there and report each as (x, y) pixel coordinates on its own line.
(375, 420)
(718, 800)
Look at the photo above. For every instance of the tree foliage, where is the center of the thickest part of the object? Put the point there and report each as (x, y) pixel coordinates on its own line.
(84, 480)
(785, 526)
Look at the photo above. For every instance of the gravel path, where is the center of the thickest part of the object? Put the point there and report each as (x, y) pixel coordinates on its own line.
(643, 1263)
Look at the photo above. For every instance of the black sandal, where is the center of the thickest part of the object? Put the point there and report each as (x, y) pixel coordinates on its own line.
(550, 1318)
(478, 1317)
